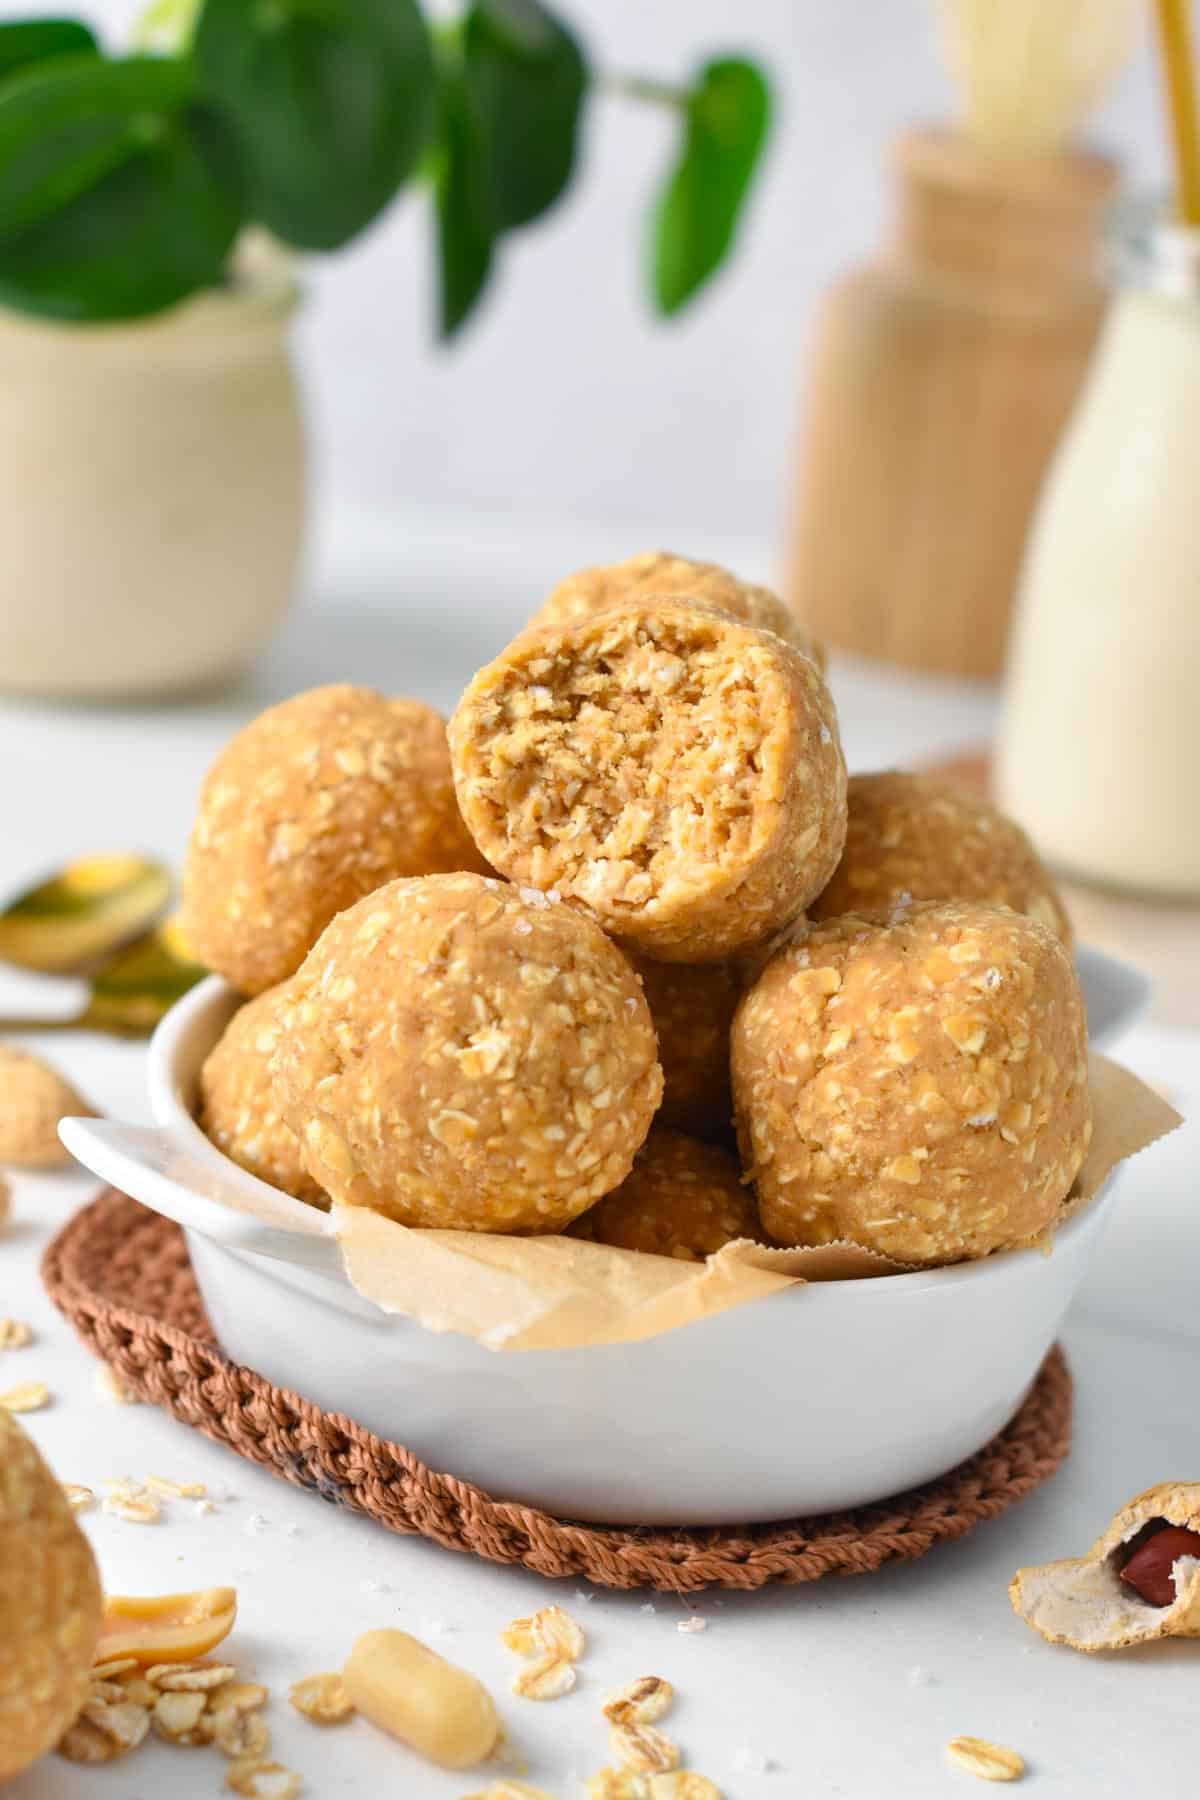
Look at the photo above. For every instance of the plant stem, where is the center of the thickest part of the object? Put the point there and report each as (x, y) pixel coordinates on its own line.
(642, 87)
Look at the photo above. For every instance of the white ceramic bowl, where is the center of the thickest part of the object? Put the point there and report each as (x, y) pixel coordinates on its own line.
(816, 1398)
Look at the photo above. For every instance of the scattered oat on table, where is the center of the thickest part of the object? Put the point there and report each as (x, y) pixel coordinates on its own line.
(190, 1677)
(241, 1735)
(78, 1498)
(241, 1696)
(186, 1704)
(642, 1702)
(990, 1762)
(550, 1632)
(30, 1396)
(322, 1698)
(177, 1490)
(257, 1780)
(15, 1334)
(695, 1623)
(117, 1665)
(177, 1716)
(549, 1678)
(130, 1501)
(510, 1790)
(643, 1749)
(682, 1784)
(109, 1386)
(628, 1784)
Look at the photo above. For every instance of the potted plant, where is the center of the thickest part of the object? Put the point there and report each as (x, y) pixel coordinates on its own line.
(151, 460)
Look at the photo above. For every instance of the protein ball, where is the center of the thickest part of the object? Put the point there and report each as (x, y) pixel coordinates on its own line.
(679, 773)
(457, 1053)
(914, 1082)
(692, 1006)
(659, 574)
(682, 1198)
(315, 803)
(911, 837)
(238, 1110)
(50, 1605)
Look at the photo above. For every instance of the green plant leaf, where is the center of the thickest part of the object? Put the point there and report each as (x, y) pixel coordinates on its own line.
(66, 124)
(25, 41)
(526, 77)
(117, 192)
(465, 232)
(726, 118)
(330, 103)
(165, 26)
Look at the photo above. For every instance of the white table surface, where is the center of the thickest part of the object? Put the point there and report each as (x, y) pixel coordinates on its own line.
(844, 1688)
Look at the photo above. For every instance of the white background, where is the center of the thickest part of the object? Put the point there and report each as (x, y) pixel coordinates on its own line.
(566, 398)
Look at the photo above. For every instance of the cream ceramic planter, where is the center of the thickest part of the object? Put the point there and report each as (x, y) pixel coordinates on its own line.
(151, 494)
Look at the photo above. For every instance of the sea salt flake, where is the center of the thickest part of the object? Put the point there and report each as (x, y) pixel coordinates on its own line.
(746, 1761)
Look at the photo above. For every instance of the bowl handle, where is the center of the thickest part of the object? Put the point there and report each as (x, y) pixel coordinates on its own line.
(149, 1165)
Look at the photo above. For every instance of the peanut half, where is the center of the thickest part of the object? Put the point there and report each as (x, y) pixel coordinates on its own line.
(407, 1689)
(168, 1628)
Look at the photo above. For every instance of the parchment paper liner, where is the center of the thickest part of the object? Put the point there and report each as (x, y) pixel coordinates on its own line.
(555, 1293)
(1082, 1602)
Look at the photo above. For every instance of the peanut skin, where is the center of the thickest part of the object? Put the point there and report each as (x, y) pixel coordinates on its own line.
(406, 1689)
(1149, 1569)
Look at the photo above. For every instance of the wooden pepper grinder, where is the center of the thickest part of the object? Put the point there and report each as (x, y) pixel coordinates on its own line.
(942, 375)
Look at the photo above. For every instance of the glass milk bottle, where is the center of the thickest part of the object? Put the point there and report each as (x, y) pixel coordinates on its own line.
(1099, 753)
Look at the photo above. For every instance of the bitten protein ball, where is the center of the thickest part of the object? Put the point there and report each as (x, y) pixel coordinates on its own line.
(50, 1605)
(658, 575)
(457, 1053)
(315, 803)
(914, 1082)
(692, 1005)
(679, 773)
(910, 837)
(238, 1110)
(681, 1198)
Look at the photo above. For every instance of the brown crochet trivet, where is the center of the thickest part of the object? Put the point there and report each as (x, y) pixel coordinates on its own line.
(121, 1275)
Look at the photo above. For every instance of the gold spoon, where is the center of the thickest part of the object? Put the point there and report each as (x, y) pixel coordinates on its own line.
(132, 991)
(79, 917)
